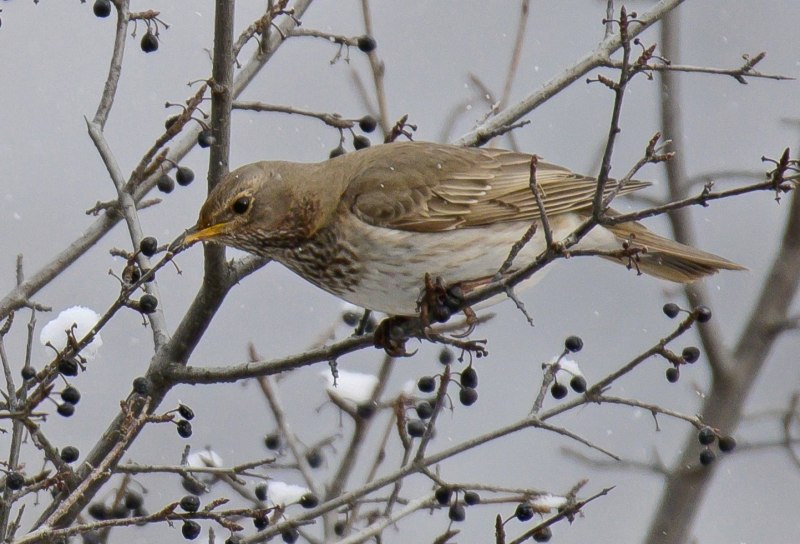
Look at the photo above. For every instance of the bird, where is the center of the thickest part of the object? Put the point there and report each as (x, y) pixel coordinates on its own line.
(370, 226)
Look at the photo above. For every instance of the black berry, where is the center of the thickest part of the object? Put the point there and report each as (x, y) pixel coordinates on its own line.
(68, 366)
(190, 529)
(148, 304)
(706, 436)
(366, 410)
(367, 43)
(273, 441)
(691, 354)
(309, 500)
(314, 458)
(468, 396)
(457, 512)
(69, 454)
(416, 428)
(133, 500)
(559, 391)
(471, 498)
(165, 183)
(148, 246)
(424, 409)
(727, 443)
(707, 457)
(578, 384)
(673, 374)
(71, 395)
(28, 373)
(149, 42)
(367, 123)
(184, 429)
(543, 535)
(671, 310)
(443, 495)
(469, 377)
(261, 491)
(15, 481)
(98, 511)
(66, 409)
(206, 139)
(141, 386)
(573, 343)
(446, 356)
(184, 176)
(190, 503)
(524, 511)
(361, 142)
(260, 523)
(185, 412)
(102, 8)
(290, 535)
(703, 314)
(426, 384)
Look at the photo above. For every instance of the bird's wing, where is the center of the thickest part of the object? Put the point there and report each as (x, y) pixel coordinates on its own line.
(440, 187)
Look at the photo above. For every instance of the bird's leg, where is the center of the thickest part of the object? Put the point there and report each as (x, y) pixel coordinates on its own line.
(391, 335)
(438, 303)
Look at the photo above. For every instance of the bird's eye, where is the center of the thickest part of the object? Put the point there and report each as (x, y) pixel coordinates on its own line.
(241, 205)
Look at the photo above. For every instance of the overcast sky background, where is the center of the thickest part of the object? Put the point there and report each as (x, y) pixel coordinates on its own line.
(54, 58)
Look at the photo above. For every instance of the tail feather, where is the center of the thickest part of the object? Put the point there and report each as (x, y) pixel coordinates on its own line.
(670, 260)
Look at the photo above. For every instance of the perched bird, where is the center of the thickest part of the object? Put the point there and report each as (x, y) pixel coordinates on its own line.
(368, 226)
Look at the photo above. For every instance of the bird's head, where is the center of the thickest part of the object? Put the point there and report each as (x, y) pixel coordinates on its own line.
(257, 208)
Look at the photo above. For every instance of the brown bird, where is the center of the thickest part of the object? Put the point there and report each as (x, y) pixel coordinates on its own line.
(368, 226)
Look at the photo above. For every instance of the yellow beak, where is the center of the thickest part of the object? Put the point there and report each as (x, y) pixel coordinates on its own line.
(203, 235)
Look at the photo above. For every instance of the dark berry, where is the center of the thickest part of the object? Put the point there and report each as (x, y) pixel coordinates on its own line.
(469, 377)
(68, 366)
(171, 120)
(184, 176)
(193, 486)
(149, 42)
(185, 412)
(190, 503)
(290, 535)
(71, 395)
(471, 498)
(28, 373)
(366, 43)
(165, 183)
(443, 494)
(559, 391)
(141, 386)
(309, 500)
(314, 458)
(573, 343)
(691, 354)
(543, 535)
(336, 152)
(66, 409)
(367, 123)
(184, 429)
(727, 443)
(366, 410)
(133, 500)
(578, 384)
(360, 142)
(524, 511)
(416, 428)
(350, 319)
(706, 436)
(190, 529)
(671, 310)
(98, 511)
(148, 246)
(703, 314)
(206, 138)
(148, 304)
(260, 523)
(707, 457)
(440, 314)
(424, 409)
(273, 441)
(15, 481)
(339, 527)
(457, 512)
(69, 454)
(468, 396)
(427, 384)
(261, 491)
(446, 356)
(673, 374)
(119, 511)
(102, 8)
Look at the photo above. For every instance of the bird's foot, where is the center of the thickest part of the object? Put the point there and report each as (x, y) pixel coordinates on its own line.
(392, 333)
(439, 302)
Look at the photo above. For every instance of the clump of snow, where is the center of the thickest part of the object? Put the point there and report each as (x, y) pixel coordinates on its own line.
(548, 502)
(204, 458)
(570, 367)
(355, 387)
(283, 494)
(83, 319)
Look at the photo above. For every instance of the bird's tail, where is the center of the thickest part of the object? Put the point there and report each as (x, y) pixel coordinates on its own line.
(667, 259)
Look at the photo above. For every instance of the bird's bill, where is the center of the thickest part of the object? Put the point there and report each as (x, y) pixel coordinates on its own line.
(196, 234)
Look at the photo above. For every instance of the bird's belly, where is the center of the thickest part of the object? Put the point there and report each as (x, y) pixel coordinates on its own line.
(394, 262)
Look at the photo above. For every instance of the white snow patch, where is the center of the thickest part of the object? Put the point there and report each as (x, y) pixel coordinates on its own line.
(355, 387)
(83, 319)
